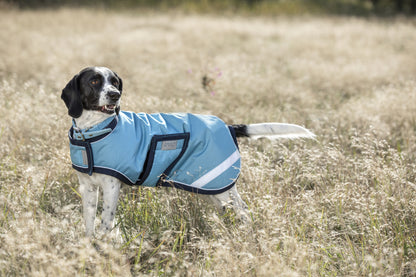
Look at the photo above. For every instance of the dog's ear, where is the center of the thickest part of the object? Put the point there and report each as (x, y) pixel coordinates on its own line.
(120, 87)
(71, 95)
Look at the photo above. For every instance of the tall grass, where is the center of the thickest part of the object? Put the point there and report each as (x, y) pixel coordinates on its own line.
(343, 205)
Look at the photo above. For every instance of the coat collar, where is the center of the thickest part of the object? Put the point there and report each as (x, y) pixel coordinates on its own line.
(95, 132)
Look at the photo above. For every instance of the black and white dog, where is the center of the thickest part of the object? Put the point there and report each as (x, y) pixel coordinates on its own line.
(109, 147)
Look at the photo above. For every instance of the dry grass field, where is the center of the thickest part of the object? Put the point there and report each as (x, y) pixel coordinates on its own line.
(344, 205)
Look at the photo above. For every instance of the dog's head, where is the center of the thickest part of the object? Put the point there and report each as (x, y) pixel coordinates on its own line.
(94, 88)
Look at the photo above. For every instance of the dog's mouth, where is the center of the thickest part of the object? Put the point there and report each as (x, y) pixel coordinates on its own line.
(107, 109)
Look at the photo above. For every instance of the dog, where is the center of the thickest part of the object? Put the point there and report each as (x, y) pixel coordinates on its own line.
(109, 147)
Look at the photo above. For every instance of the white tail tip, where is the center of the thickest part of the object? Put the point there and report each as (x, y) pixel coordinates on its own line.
(278, 130)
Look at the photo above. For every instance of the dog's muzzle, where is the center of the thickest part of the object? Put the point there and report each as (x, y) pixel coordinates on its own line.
(114, 95)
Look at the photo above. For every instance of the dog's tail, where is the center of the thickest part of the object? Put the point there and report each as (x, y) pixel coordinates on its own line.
(272, 131)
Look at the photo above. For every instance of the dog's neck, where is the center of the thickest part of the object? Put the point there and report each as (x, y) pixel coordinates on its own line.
(90, 118)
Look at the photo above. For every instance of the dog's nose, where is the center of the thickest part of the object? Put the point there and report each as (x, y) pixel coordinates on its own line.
(114, 95)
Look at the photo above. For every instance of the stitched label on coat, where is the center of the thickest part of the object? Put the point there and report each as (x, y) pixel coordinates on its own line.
(84, 157)
(169, 145)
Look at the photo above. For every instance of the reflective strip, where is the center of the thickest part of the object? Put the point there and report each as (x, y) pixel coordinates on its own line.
(217, 171)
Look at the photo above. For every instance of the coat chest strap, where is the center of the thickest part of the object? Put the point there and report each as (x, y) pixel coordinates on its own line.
(82, 156)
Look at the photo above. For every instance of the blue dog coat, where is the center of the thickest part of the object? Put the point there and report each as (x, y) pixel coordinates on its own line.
(197, 153)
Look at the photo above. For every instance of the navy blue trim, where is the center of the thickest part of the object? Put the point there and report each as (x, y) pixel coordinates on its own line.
(152, 151)
(162, 182)
(148, 164)
(115, 174)
(167, 183)
(185, 138)
(90, 158)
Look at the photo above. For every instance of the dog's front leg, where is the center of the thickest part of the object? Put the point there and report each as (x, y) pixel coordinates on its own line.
(89, 194)
(111, 191)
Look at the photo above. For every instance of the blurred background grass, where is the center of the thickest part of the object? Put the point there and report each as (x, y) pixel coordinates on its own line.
(258, 7)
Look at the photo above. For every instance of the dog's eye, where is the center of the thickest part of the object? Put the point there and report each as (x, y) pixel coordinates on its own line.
(115, 83)
(95, 82)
